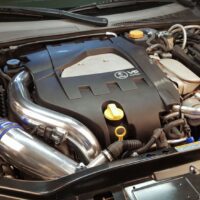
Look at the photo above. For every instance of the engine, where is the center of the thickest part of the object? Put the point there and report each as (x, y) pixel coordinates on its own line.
(85, 102)
(105, 84)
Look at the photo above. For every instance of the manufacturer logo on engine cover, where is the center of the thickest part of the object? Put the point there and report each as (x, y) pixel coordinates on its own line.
(121, 75)
(125, 74)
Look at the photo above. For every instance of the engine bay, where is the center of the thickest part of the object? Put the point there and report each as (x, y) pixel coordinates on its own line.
(78, 104)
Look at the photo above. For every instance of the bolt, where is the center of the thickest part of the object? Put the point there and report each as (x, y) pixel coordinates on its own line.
(193, 170)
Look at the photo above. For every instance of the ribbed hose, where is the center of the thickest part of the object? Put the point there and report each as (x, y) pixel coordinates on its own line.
(117, 148)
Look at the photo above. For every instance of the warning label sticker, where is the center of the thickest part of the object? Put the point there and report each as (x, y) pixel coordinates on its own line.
(188, 147)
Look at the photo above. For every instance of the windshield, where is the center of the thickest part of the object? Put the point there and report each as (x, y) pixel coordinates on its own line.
(48, 3)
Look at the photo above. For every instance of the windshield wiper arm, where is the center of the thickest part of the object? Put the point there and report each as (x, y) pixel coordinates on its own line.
(52, 13)
(116, 3)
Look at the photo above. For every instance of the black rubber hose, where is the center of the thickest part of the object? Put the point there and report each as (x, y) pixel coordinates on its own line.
(156, 134)
(175, 134)
(168, 127)
(117, 148)
(162, 141)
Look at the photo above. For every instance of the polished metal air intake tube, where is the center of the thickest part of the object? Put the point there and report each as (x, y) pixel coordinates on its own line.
(31, 155)
(30, 113)
(190, 107)
(187, 110)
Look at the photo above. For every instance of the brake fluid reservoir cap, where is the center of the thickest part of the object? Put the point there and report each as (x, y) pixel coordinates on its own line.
(113, 113)
(136, 34)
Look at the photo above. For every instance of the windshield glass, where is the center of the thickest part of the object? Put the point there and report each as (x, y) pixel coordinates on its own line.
(48, 3)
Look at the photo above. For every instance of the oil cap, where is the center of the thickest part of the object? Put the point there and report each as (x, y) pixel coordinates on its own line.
(113, 113)
(136, 34)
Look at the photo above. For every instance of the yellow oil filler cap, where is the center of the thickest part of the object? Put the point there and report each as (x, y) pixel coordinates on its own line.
(136, 34)
(113, 113)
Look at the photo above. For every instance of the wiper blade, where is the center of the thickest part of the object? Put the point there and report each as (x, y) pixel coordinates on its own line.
(52, 13)
(116, 3)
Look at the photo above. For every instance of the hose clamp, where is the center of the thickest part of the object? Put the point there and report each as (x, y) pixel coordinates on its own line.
(107, 155)
(5, 126)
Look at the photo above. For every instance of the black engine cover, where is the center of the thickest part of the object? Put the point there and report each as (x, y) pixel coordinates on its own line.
(143, 92)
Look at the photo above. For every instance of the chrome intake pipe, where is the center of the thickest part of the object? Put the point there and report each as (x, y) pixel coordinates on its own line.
(30, 113)
(31, 155)
(190, 107)
(193, 111)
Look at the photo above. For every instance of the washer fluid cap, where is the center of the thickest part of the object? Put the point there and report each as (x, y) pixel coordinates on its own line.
(136, 34)
(113, 113)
